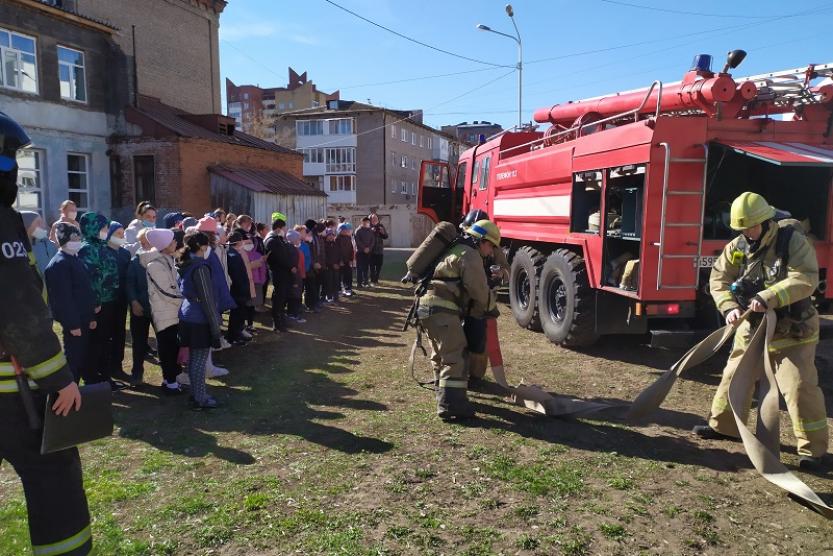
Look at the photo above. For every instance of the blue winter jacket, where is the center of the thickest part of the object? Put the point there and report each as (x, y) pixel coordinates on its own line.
(137, 284)
(218, 276)
(71, 297)
(200, 292)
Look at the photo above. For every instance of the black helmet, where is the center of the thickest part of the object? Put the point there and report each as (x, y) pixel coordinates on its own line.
(12, 138)
(474, 215)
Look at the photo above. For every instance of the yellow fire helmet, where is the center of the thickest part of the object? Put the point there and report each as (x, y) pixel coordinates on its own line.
(485, 229)
(749, 209)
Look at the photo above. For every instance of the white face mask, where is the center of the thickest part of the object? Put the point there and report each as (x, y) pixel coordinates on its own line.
(40, 233)
(72, 247)
(118, 241)
(206, 253)
(72, 214)
(248, 247)
(102, 236)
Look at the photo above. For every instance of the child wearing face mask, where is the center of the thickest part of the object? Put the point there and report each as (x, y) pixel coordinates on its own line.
(69, 215)
(42, 248)
(71, 297)
(199, 315)
(102, 267)
(242, 288)
(145, 218)
(116, 241)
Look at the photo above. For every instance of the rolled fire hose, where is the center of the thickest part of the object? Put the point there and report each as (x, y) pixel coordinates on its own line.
(762, 447)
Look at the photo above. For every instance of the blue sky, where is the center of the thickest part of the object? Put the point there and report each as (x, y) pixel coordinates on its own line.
(260, 38)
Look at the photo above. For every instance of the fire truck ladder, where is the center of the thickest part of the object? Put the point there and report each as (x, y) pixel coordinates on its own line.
(792, 86)
(664, 224)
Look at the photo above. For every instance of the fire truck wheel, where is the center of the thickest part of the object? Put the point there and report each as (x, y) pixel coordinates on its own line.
(523, 279)
(566, 302)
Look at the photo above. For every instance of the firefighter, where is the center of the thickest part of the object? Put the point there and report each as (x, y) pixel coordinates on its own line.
(459, 289)
(771, 265)
(477, 359)
(59, 522)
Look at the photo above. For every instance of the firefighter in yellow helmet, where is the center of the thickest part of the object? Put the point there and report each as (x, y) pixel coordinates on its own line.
(772, 265)
(459, 288)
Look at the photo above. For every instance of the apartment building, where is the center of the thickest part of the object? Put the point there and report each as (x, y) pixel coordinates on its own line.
(360, 154)
(469, 133)
(63, 79)
(254, 108)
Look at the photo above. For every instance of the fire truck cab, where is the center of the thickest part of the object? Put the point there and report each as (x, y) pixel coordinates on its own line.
(613, 216)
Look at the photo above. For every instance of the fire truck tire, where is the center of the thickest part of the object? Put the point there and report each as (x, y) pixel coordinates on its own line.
(566, 302)
(524, 274)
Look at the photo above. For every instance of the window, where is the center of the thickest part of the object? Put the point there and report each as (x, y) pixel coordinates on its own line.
(78, 180)
(71, 74)
(30, 180)
(341, 159)
(313, 156)
(476, 174)
(144, 178)
(413, 188)
(310, 127)
(421, 141)
(245, 106)
(429, 142)
(403, 161)
(403, 188)
(484, 173)
(404, 135)
(18, 62)
(393, 132)
(413, 138)
(342, 183)
(393, 159)
(281, 106)
(342, 126)
(413, 164)
(245, 96)
(290, 105)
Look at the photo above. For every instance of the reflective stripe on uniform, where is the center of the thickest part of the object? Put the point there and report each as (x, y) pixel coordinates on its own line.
(445, 383)
(784, 343)
(48, 367)
(782, 293)
(65, 546)
(724, 297)
(811, 426)
(10, 386)
(6, 369)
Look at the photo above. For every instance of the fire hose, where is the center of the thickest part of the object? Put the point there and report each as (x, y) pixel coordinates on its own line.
(762, 446)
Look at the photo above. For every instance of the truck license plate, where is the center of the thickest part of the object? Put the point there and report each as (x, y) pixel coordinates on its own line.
(707, 262)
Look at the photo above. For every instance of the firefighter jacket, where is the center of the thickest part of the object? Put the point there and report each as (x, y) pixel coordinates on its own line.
(25, 327)
(786, 287)
(459, 285)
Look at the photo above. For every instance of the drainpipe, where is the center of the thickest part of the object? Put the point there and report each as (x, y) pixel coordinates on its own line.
(135, 71)
(384, 160)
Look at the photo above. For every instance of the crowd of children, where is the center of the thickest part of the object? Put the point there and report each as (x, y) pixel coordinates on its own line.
(102, 279)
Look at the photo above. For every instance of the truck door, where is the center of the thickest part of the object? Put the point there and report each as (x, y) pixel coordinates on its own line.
(436, 192)
(478, 197)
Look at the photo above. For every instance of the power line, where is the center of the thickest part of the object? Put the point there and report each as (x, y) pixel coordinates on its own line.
(453, 74)
(681, 12)
(415, 41)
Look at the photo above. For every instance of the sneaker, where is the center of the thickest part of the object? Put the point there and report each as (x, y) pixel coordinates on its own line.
(300, 320)
(137, 379)
(214, 372)
(375, 284)
(184, 379)
(171, 389)
(116, 385)
(246, 335)
(207, 403)
(121, 376)
(809, 463)
(292, 317)
(708, 433)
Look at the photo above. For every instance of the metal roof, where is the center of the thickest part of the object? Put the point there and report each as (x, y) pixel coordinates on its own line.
(266, 181)
(172, 119)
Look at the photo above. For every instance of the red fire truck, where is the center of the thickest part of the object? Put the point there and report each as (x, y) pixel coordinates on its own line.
(613, 216)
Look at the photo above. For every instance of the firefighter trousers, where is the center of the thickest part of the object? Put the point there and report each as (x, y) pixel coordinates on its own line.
(476, 358)
(59, 521)
(798, 381)
(448, 345)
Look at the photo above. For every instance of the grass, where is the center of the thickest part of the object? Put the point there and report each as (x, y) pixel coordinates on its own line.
(325, 446)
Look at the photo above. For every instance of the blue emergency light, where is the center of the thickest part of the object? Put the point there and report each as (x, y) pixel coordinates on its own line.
(702, 62)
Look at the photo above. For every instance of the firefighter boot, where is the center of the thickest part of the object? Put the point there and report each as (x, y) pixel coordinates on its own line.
(476, 363)
(453, 403)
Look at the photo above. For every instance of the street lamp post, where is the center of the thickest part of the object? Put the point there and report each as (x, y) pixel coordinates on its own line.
(520, 66)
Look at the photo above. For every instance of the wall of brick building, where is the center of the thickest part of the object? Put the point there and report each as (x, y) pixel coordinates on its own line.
(197, 155)
(167, 179)
(177, 51)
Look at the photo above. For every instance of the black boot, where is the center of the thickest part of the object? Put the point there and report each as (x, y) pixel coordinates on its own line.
(453, 403)
(705, 431)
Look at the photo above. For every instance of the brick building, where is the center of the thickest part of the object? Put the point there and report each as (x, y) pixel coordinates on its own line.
(469, 133)
(367, 158)
(169, 162)
(255, 108)
(63, 79)
(172, 47)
